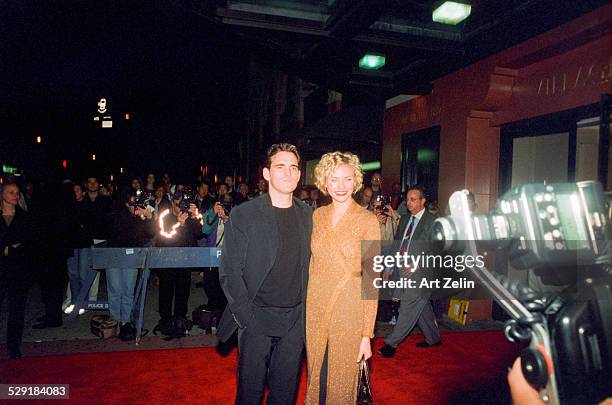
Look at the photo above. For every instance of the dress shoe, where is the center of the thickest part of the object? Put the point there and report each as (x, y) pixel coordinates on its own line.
(15, 354)
(45, 325)
(127, 332)
(387, 351)
(425, 345)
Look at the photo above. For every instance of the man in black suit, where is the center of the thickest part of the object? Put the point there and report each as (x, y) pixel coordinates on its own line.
(264, 272)
(414, 231)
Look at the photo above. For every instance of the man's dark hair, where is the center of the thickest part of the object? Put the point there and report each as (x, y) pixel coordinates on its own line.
(418, 188)
(281, 147)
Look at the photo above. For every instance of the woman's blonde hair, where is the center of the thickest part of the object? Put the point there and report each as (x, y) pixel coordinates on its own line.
(330, 161)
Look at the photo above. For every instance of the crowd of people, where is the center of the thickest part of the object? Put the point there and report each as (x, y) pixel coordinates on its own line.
(47, 229)
(52, 249)
(291, 273)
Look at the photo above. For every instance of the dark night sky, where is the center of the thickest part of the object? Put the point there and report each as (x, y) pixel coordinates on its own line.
(181, 83)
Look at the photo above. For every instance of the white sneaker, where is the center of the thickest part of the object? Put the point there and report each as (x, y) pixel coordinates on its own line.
(69, 309)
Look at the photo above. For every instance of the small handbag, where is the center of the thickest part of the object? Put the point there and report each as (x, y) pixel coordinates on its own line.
(364, 393)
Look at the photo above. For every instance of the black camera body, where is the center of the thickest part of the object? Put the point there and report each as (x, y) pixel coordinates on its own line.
(556, 230)
(141, 199)
(187, 199)
(385, 201)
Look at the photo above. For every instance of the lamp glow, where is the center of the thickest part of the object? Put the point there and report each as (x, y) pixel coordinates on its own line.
(38, 139)
(368, 166)
(451, 12)
(372, 61)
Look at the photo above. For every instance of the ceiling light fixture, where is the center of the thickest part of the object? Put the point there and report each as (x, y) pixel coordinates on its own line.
(372, 61)
(451, 12)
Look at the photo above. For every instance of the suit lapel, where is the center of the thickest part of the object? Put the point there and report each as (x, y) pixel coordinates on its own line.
(421, 226)
(302, 229)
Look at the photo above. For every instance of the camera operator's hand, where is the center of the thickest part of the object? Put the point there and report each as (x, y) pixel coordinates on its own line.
(522, 393)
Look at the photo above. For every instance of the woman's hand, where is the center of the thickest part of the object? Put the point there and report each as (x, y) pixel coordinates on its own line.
(365, 350)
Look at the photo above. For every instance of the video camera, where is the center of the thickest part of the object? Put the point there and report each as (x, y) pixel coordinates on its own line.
(552, 229)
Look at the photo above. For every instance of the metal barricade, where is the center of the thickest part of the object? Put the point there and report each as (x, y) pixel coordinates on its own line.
(144, 258)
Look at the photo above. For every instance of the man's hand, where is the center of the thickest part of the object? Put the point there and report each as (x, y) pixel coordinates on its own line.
(143, 212)
(408, 270)
(182, 217)
(382, 218)
(218, 209)
(192, 209)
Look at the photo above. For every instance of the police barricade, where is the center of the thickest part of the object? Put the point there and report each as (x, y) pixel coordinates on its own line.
(144, 258)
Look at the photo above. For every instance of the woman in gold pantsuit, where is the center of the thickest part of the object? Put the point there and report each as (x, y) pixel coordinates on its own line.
(339, 317)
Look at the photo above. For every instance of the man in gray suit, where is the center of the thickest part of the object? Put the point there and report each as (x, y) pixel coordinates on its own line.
(414, 231)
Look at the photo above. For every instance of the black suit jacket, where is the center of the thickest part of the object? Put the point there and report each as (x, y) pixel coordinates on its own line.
(250, 246)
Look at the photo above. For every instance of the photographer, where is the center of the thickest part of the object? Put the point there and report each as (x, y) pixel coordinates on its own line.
(387, 217)
(215, 219)
(178, 226)
(132, 227)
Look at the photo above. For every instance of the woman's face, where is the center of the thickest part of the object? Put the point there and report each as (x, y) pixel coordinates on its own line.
(136, 184)
(341, 183)
(10, 194)
(151, 179)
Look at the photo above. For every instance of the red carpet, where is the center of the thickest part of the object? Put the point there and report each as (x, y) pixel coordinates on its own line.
(470, 368)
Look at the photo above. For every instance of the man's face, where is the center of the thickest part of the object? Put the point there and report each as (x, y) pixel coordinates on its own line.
(243, 189)
(376, 179)
(159, 192)
(229, 180)
(92, 185)
(78, 192)
(414, 202)
(176, 206)
(203, 190)
(151, 178)
(284, 173)
(222, 189)
(367, 195)
(136, 184)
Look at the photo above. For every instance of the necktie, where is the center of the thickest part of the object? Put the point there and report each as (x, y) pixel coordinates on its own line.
(406, 240)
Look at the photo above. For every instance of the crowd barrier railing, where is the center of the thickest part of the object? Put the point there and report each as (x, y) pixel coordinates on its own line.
(144, 258)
